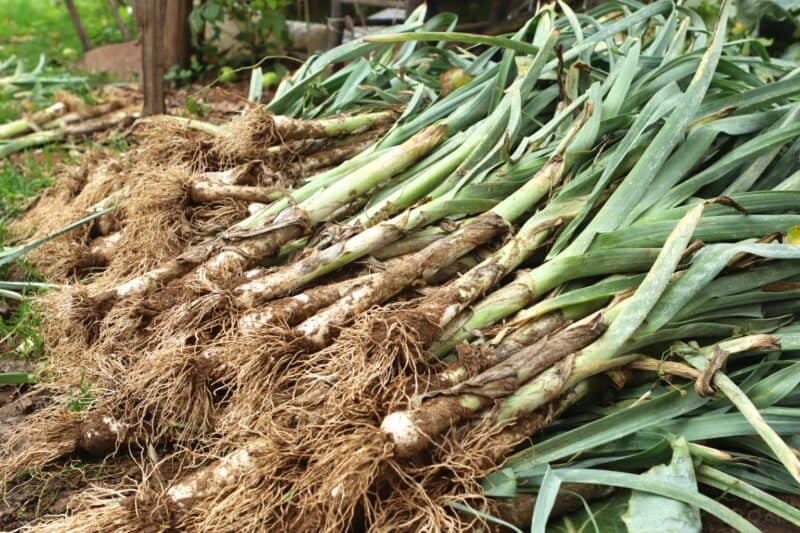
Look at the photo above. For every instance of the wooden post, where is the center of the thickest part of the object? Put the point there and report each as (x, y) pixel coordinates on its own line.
(150, 18)
(76, 21)
(177, 35)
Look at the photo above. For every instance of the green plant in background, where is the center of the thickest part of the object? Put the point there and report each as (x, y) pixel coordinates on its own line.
(757, 15)
(28, 80)
(195, 107)
(20, 181)
(257, 29)
(81, 398)
(21, 330)
(26, 84)
(31, 28)
(772, 23)
(38, 51)
(13, 74)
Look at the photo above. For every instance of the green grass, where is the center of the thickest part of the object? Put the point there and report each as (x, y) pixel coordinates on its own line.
(19, 333)
(29, 28)
(19, 181)
(32, 28)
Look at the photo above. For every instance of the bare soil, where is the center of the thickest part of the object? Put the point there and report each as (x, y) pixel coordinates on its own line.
(122, 60)
(55, 490)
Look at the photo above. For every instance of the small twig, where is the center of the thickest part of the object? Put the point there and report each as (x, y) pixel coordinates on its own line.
(76, 21)
(114, 7)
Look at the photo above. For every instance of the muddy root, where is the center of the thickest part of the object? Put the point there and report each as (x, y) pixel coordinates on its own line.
(46, 435)
(168, 142)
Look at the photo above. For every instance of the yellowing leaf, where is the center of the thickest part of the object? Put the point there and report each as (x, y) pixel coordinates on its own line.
(793, 235)
(452, 79)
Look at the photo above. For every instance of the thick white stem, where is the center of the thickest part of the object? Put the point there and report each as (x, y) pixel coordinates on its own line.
(211, 479)
(404, 433)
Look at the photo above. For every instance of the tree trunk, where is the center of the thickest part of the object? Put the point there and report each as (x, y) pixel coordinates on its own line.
(177, 36)
(150, 19)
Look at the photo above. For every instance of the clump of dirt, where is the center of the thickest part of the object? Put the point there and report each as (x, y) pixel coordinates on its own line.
(122, 60)
(58, 489)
